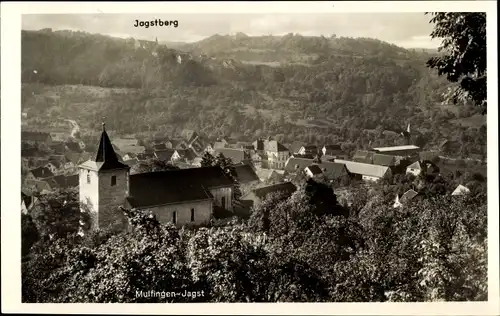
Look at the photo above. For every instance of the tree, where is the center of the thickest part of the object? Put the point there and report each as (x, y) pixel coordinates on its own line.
(152, 165)
(29, 234)
(463, 37)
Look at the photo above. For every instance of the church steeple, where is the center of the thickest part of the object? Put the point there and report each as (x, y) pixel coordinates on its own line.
(106, 154)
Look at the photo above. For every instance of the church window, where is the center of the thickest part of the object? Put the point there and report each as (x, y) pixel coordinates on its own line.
(113, 180)
(174, 217)
(192, 215)
(88, 178)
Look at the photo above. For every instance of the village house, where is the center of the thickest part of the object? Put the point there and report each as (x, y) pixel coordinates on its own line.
(144, 156)
(36, 137)
(363, 156)
(183, 155)
(331, 170)
(384, 160)
(236, 155)
(157, 147)
(183, 196)
(247, 177)
(219, 144)
(333, 151)
(63, 182)
(197, 162)
(54, 166)
(37, 186)
(164, 155)
(313, 171)
(460, 190)
(131, 162)
(295, 147)
(415, 168)
(406, 197)
(274, 154)
(128, 145)
(73, 146)
(39, 173)
(270, 176)
(27, 202)
(129, 156)
(257, 196)
(364, 171)
(308, 150)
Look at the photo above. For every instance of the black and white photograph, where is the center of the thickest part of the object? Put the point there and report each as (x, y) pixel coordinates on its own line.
(333, 157)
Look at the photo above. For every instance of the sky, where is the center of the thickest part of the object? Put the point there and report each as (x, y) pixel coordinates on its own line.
(409, 30)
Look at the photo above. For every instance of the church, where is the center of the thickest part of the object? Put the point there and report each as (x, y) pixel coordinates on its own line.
(183, 196)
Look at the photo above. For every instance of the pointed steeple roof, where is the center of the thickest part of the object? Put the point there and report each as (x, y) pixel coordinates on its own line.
(105, 158)
(106, 154)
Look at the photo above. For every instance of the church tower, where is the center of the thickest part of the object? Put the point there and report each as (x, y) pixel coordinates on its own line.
(104, 185)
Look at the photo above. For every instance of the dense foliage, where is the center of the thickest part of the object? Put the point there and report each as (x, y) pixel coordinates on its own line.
(306, 247)
(464, 58)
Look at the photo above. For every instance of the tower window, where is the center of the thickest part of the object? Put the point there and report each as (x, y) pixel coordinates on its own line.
(113, 180)
(88, 178)
(192, 215)
(174, 217)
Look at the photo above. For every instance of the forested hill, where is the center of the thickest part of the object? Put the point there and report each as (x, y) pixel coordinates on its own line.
(314, 89)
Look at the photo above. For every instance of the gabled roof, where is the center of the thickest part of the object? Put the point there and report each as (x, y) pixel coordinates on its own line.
(364, 168)
(332, 147)
(145, 156)
(274, 146)
(415, 165)
(314, 169)
(383, 160)
(295, 147)
(408, 195)
(287, 188)
(297, 164)
(333, 170)
(41, 172)
(187, 154)
(165, 154)
(245, 174)
(460, 190)
(174, 186)
(236, 155)
(219, 145)
(312, 148)
(159, 147)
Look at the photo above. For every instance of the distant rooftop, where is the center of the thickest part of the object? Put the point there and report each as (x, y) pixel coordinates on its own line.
(395, 148)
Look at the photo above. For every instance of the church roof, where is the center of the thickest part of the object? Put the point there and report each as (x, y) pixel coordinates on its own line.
(105, 158)
(175, 186)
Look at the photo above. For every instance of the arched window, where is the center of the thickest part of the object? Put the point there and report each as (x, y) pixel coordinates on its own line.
(113, 180)
(88, 177)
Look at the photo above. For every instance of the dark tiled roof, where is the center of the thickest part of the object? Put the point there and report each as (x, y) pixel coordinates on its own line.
(258, 144)
(42, 172)
(245, 173)
(66, 181)
(106, 154)
(73, 146)
(236, 155)
(159, 147)
(274, 146)
(383, 160)
(333, 150)
(314, 169)
(286, 187)
(333, 170)
(306, 156)
(145, 156)
(164, 155)
(187, 154)
(297, 164)
(408, 195)
(173, 186)
(295, 147)
(35, 136)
